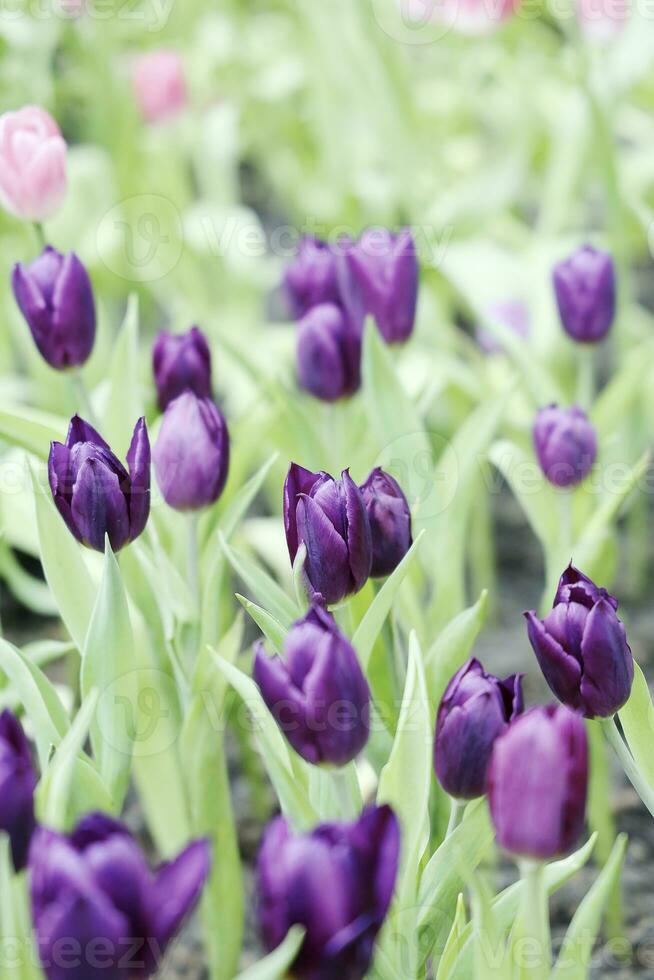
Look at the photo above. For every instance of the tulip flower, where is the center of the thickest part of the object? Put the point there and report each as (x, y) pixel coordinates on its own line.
(337, 882)
(328, 516)
(537, 783)
(565, 443)
(191, 454)
(584, 285)
(379, 276)
(181, 362)
(311, 279)
(92, 490)
(390, 521)
(582, 648)
(18, 781)
(476, 708)
(328, 353)
(32, 164)
(317, 693)
(55, 296)
(159, 84)
(99, 910)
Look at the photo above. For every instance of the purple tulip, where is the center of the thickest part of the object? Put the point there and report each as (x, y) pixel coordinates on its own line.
(328, 353)
(476, 708)
(317, 693)
(18, 781)
(93, 491)
(582, 648)
(310, 279)
(390, 521)
(181, 362)
(337, 882)
(565, 443)
(584, 285)
(55, 296)
(537, 783)
(329, 517)
(191, 454)
(98, 909)
(378, 275)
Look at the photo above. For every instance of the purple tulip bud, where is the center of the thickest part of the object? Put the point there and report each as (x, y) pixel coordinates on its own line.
(328, 353)
(379, 276)
(98, 909)
(310, 279)
(582, 648)
(337, 882)
(537, 783)
(181, 362)
(585, 292)
(329, 517)
(565, 443)
(18, 781)
(317, 693)
(476, 708)
(191, 454)
(93, 491)
(55, 296)
(390, 521)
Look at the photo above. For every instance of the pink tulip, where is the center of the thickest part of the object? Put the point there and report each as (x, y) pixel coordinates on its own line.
(602, 20)
(159, 84)
(32, 164)
(472, 17)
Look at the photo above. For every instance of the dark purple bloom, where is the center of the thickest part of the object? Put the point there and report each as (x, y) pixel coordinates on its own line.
(378, 275)
(328, 353)
(191, 454)
(317, 693)
(181, 362)
(310, 279)
(585, 292)
(93, 491)
(582, 648)
(565, 443)
(474, 711)
(329, 517)
(337, 882)
(55, 296)
(18, 781)
(98, 909)
(511, 313)
(537, 783)
(390, 521)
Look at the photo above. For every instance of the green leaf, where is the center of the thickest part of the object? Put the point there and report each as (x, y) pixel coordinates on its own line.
(124, 405)
(53, 793)
(637, 719)
(276, 965)
(108, 666)
(574, 959)
(454, 941)
(239, 506)
(452, 647)
(536, 497)
(30, 591)
(266, 590)
(269, 626)
(31, 429)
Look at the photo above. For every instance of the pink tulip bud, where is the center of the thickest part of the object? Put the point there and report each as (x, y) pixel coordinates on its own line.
(159, 84)
(602, 20)
(32, 164)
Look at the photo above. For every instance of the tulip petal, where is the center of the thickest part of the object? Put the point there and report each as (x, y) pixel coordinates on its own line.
(298, 481)
(138, 462)
(608, 666)
(99, 507)
(61, 482)
(81, 431)
(73, 312)
(177, 889)
(359, 539)
(327, 563)
(286, 703)
(561, 670)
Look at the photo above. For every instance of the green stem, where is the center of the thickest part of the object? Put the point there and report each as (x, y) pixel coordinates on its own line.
(40, 234)
(81, 397)
(536, 919)
(566, 528)
(193, 559)
(586, 376)
(343, 793)
(628, 763)
(457, 809)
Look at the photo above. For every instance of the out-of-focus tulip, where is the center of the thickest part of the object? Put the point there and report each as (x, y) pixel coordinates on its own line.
(337, 882)
(191, 454)
(317, 693)
(17, 784)
(565, 443)
(181, 362)
(602, 20)
(310, 279)
(92, 490)
(471, 17)
(537, 783)
(582, 648)
(476, 708)
(32, 164)
(390, 521)
(99, 910)
(55, 296)
(584, 285)
(329, 517)
(159, 84)
(328, 353)
(511, 313)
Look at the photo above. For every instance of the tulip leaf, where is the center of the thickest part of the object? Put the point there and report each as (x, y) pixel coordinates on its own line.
(20, 959)
(269, 626)
(124, 405)
(637, 719)
(238, 507)
(30, 591)
(277, 964)
(108, 666)
(537, 498)
(574, 959)
(31, 429)
(454, 941)
(452, 647)
(373, 621)
(266, 590)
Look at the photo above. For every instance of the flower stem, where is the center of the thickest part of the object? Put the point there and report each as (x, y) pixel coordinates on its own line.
(536, 918)
(628, 763)
(343, 793)
(40, 234)
(586, 375)
(82, 398)
(457, 810)
(193, 558)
